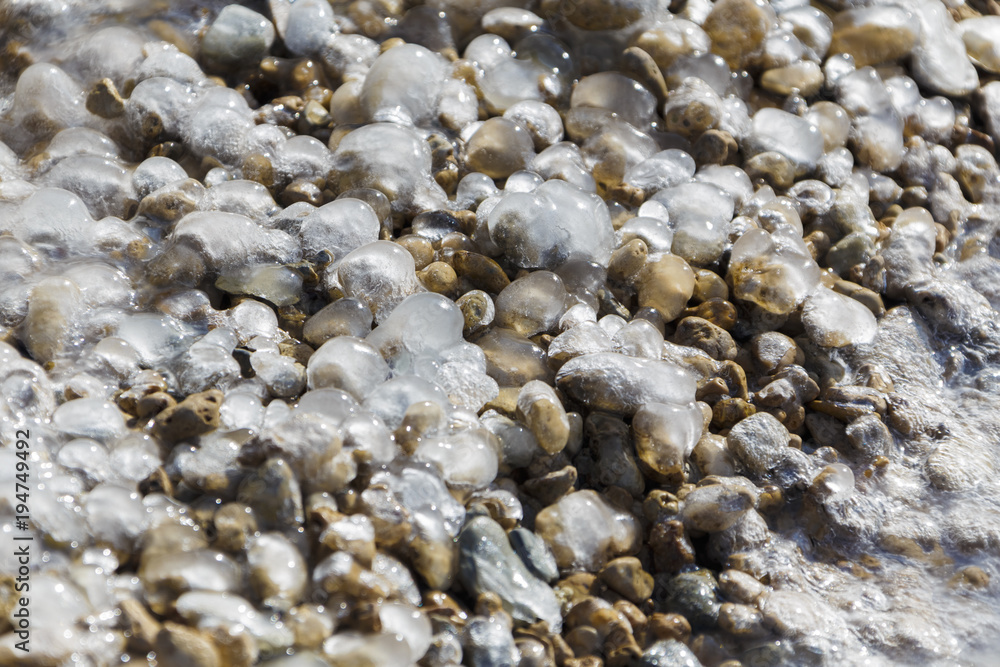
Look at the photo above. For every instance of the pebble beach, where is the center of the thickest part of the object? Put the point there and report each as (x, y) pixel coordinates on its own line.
(499, 333)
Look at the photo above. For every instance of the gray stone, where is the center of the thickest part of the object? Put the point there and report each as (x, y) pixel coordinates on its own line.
(238, 36)
(535, 553)
(758, 442)
(488, 564)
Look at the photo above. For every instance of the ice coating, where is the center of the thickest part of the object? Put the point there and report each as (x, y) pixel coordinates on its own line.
(552, 225)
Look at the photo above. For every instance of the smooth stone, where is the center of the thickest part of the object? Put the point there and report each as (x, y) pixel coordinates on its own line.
(874, 35)
(585, 531)
(238, 36)
(488, 564)
(716, 507)
(621, 384)
(759, 442)
(982, 41)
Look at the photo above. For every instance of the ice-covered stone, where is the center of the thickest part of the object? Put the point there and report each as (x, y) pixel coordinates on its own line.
(622, 384)
(412, 100)
(585, 531)
(835, 320)
(238, 36)
(775, 271)
(339, 227)
(380, 275)
(552, 225)
(792, 136)
(489, 564)
(347, 363)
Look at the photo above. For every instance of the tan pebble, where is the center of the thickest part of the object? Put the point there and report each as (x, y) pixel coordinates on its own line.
(668, 42)
(672, 549)
(180, 646)
(719, 312)
(667, 626)
(542, 412)
(439, 277)
(259, 169)
(804, 78)
(499, 148)
(639, 65)
(234, 526)
(873, 35)
(970, 577)
(666, 285)
(702, 334)
(741, 620)
(552, 486)
(715, 147)
(603, 14)
(195, 415)
(420, 248)
(141, 624)
(626, 577)
(627, 261)
(772, 168)
(301, 190)
(484, 273)
(730, 411)
(104, 100)
(153, 404)
(737, 29)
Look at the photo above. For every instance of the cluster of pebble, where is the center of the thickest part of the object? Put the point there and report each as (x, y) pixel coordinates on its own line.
(534, 333)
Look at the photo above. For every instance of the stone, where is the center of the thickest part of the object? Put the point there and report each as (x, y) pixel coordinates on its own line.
(737, 29)
(585, 531)
(238, 36)
(195, 415)
(626, 577)
(621, 384)
(759, 442)
(177, 645)
(666, 286)
(715, 507)
(499, 148)
(488, 564)
(874, 35)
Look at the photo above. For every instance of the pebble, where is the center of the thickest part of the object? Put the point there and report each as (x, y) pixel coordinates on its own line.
(874, 35)
(621, 384)
(488, 563)
(238, 36)
(759, 442)
(585, 531)
(737, 29)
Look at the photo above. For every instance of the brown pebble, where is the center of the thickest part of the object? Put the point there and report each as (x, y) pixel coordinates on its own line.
(626, 577)
(195, 415)
(709, 285)
(715, 147)
(484, 273)
(439, 277)
(627, 261)
(639, 65)
(772, 168)
(258, 168)
(667, 626)
(719, 312)
(665, 286)
(702, 334)
(104, 100)
(180, 646)
(153, 404)
(970, 577)
(672, 549)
